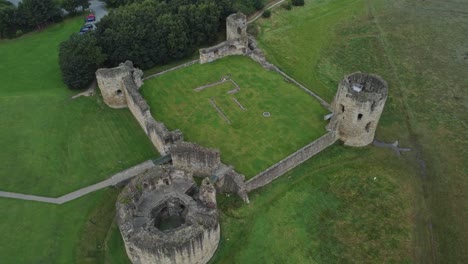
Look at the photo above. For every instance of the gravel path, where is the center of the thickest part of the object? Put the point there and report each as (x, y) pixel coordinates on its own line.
(115, 179)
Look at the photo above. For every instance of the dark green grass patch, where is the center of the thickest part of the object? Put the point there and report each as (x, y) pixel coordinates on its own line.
(51, 144)
(419, 48)
(322, 212)
(252, 142)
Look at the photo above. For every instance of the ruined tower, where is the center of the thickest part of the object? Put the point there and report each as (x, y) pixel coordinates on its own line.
(111, 85)
(357, 107)
(236, 28)
(237, 40)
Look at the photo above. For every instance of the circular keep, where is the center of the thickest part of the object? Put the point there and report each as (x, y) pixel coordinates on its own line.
(163, 218)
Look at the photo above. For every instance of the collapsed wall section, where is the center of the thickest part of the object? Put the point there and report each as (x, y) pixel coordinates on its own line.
(194, 158)
(291, 162)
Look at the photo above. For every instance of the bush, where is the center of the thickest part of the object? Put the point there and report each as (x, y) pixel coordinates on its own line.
(266, 13)
(287, 6)
(252, 30)
(79, 58)
(298, 2)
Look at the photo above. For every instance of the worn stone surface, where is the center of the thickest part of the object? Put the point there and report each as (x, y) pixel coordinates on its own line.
(110, 84)
(164, 219)
(236, 43)
(194, 158)
(357, 107)
(119, 88)
(291, 162)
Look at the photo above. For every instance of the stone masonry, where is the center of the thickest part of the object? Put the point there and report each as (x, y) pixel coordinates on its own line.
(236, 43)
(163, 218)
(357, 107)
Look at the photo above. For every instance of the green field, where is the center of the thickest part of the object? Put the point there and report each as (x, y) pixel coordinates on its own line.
(52, 145)
(251, 142)
(346, 205)
(420, 49)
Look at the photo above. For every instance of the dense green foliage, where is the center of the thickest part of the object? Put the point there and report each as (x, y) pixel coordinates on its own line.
(29, 15)
(297, 2)
(266, 14)
(155, 32)
(252, 142)
(230, 6)
(73, 5)
(79, 58)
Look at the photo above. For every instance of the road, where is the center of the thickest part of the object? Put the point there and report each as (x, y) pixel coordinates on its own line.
(98, 7)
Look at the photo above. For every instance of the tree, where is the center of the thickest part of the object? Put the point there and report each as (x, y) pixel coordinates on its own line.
(72, 5)
(7, 14)
(79, 58)
(297, 2)
(38, 12)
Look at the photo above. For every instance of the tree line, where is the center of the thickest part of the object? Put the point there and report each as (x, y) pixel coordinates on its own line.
(33, 15)
(148, 33)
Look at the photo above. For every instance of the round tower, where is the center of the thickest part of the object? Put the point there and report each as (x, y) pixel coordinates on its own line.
(236, 28)
(357, 107)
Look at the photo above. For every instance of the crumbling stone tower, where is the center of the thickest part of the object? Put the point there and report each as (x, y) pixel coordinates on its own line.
(111, 85)
(236, 28)
(237, 41)
(357, 107)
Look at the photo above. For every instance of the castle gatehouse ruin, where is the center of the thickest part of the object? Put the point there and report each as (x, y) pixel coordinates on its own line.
(162, 215)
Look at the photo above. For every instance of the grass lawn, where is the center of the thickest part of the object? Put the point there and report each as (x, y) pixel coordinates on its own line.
(251, 142)
(51, 145)
(420, 49)
(321, 212)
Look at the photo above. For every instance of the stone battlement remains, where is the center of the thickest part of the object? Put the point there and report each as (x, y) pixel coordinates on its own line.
(119, 88)
(291, 162)
(236, 43)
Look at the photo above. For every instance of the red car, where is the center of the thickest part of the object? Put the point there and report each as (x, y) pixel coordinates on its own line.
(90, 18)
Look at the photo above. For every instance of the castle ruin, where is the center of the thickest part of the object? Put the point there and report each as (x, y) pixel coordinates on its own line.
(357, 107)
(164, 218)
(162, 215)
(236, 43)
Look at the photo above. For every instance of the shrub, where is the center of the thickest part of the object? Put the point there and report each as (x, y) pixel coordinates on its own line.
(266, 13)
(287, 6)
(298, 2)
(79, 58)
(252, 30)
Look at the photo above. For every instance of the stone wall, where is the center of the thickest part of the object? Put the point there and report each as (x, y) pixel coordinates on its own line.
(291, 162)
(357, 107)
(159, 135)
(191, 157)
(119, 88)
(221, 50)
(199, 250)
(236, 40)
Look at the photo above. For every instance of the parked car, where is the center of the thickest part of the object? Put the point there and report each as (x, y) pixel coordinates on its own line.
(84, 30)
(90, 26)
(90, 18)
